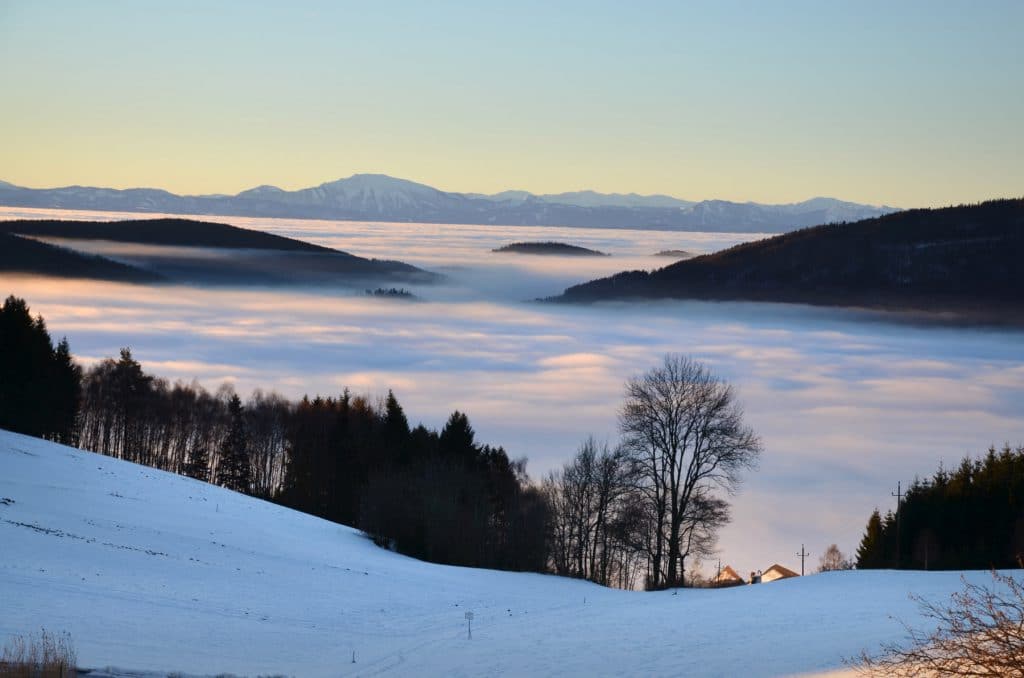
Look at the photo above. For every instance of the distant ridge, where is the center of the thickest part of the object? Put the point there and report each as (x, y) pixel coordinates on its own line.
(589, 199)
(27, 256)
(549, 248)
(378, 197)
(955, 258)
(180, 232)
(248, 256)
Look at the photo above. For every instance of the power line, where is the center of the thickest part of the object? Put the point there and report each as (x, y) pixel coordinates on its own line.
(899, 500)
(803, 554)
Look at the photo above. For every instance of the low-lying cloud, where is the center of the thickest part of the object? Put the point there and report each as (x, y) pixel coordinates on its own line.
(846, 405)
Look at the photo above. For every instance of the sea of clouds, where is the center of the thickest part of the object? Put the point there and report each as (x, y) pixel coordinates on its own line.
(847, 403)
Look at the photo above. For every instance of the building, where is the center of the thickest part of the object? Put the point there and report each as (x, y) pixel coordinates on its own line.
(727, 577)
(777, 571)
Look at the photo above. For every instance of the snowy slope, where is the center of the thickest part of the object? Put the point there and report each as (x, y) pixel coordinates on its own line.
(157, 572)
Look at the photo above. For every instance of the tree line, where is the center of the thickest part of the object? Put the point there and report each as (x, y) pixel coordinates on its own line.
(969, 518)
(39, 382)
(635, 513)
(629, 515)
(438, 495)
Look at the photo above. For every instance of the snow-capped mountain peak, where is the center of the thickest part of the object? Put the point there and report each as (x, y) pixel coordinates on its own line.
(382, 197)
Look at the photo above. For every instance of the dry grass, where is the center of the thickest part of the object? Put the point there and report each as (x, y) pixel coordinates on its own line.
(41, 655)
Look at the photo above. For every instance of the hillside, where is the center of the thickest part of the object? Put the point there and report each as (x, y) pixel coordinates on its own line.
(930, 259)
(549, 248)
(23, 255)
(170, 252)
(157, 572)
(176, 232)
(378, 197)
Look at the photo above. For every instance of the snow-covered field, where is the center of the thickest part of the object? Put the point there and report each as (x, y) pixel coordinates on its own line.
(152, 571)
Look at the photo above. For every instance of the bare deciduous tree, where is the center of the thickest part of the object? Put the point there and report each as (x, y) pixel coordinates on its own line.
(834, 559)
(978, 632)
(685, 433)
(705, 515)
(584, 498)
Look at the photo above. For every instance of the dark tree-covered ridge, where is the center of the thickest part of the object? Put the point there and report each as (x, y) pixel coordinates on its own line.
(24, 255)
(549, 247)
(929, 259)
(246, 256)
(178, 232)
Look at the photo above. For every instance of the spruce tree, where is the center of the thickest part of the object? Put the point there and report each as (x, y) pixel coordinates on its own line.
(396, 431)
(869, 553)
(39, 385)
(66, 394)
(198, 464)
(396, 426)
(233, 470)
(457, 439)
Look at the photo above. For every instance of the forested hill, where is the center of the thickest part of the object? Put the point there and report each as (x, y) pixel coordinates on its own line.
(171, 253)
(929, 259)
(177, 232)
(549, 247)
(24, 255)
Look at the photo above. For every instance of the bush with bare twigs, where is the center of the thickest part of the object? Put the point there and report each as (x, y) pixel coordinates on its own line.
(979, 632)
(42, 655)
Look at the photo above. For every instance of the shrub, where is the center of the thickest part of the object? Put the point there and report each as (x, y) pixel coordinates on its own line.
(42, 655)
(979, 632)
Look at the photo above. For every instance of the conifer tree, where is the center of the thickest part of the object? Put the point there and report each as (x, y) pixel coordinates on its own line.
(39, 384)
(233, 470)
(396, 425)
(869, 553)
(198, 464)
(66, 394)
(396, 431)
(457, 439)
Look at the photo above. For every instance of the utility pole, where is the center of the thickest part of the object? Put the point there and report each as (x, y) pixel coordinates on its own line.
(803, 554)
(899, 500)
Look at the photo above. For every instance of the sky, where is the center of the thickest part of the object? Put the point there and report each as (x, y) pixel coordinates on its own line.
(916, 103)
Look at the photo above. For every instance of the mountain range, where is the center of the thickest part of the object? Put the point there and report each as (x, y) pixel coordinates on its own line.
(378, 197)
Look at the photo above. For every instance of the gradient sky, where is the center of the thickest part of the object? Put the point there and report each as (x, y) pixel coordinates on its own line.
(906, 103)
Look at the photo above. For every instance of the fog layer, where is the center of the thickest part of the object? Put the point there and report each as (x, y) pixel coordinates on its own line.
(847, 403)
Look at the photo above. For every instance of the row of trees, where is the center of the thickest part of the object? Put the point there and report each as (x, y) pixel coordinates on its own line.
(39, 382)
(969, 518)
(435, 495)
(441, 496)
(637, 512)
(626, 515)
(183, 428)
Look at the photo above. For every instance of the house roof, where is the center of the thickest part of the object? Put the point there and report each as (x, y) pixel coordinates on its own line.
(728, 574)
(782, 571)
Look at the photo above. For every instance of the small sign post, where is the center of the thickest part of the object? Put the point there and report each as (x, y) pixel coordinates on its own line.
(469, 625)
